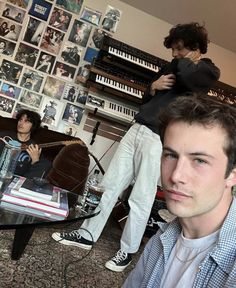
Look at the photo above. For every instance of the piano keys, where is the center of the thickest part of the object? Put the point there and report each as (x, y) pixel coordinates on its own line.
(133, 59)
(110, 108)
(118, 86)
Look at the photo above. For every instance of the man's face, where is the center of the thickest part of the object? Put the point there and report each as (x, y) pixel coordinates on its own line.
(179, 51)
(24, 126)
(193, 168)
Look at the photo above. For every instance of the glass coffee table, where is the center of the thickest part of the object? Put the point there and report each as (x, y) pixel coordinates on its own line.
(24, 224)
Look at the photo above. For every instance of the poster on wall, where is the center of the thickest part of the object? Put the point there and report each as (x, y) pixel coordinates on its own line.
(67, 129)
(26, 54)
(111, 19)
(9, 30)
(90, 15)
(80, 33)
(53, 87)
(64, 71)
(10, 71)
(70, 5)
(31, 99)
(20, 3)
(31, 80)
(10, 90)
(50, 111)
(6, 104)
(13, 13)
(40, 9)
(34, 31)
(45, 62)
(6, 47)
(73, 114)
(52, 40)
(60, 19)
(71, 53)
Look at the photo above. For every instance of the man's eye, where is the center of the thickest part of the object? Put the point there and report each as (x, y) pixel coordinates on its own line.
(169, 155)
(200, 161)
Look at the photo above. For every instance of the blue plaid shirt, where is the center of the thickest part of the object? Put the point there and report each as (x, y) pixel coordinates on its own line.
(218, 269)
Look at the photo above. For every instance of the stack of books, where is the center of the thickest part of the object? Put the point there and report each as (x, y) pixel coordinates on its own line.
(24, 195)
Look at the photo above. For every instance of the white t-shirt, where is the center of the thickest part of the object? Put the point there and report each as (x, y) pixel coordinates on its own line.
(184, 260)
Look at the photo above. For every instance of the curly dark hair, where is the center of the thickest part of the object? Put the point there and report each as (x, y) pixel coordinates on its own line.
(193, 35)
(206, 111)
(32, 116)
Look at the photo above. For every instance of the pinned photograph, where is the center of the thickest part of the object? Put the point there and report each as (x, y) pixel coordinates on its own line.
(45, 62)
(9, 29)
(6, 105)
(31, 80)
(80, 33)
(10, 71)
(40, 9)
(13, 13)
(52, 40)
(64, 71)
(67, 129)
(70, 93)
(97, 38)
(83, 74)
(26, 54)
(31, 99)
(10, 90)
(53, 87)
(90, 54)
(111, 19)
(60, 19)
(90, 15)
(6, 47)
(70, 5)
(71, 53)
(20, 3)
(51, 111)
(73, 114)
(82, 95)
(34, 31)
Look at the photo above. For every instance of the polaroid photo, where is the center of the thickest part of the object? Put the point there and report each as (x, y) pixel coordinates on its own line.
(26, 54)
(64, 71)
(60, 19)
(34, 31)
(6, 105)
(40, 9)
(6, 47)
(52, 40)
(31, 99)
(70, 5)
(53, 87)
(31, 80)
(13, 13)
(71, 53)
(9, 30)
(10, 90)
(111, 19)
(80, 32)
(73, 114)
(90, 15)
(45, 62)
(10, 71)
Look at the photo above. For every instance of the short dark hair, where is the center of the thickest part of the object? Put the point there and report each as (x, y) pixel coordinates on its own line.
(204, 110)
(193, 35)
(32, 116)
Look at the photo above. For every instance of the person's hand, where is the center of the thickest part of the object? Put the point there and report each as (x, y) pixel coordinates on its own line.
(34, 153)
(195, 56)
(165, 82)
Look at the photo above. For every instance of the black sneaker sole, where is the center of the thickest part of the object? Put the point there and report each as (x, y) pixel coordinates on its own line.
(56, 236)
(113, 267)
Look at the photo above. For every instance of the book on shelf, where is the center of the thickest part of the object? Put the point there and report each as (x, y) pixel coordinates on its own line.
(62, 210)
(17, 183)
(30, 211)
(28, 186)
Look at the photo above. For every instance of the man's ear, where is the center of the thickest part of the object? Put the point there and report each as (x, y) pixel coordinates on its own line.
(231, 179)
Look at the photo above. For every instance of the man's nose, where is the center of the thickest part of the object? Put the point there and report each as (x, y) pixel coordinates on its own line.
(180, 171)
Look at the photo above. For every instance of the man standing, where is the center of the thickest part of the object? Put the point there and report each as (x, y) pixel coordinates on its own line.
(138, 155)
(198, 172)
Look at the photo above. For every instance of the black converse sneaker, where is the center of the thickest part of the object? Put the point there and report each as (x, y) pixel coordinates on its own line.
(119, 262)
(73, 238)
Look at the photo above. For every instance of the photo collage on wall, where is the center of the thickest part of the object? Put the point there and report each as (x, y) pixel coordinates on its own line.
(46, 51)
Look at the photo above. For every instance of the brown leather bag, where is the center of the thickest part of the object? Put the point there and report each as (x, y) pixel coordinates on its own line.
(70, 168)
